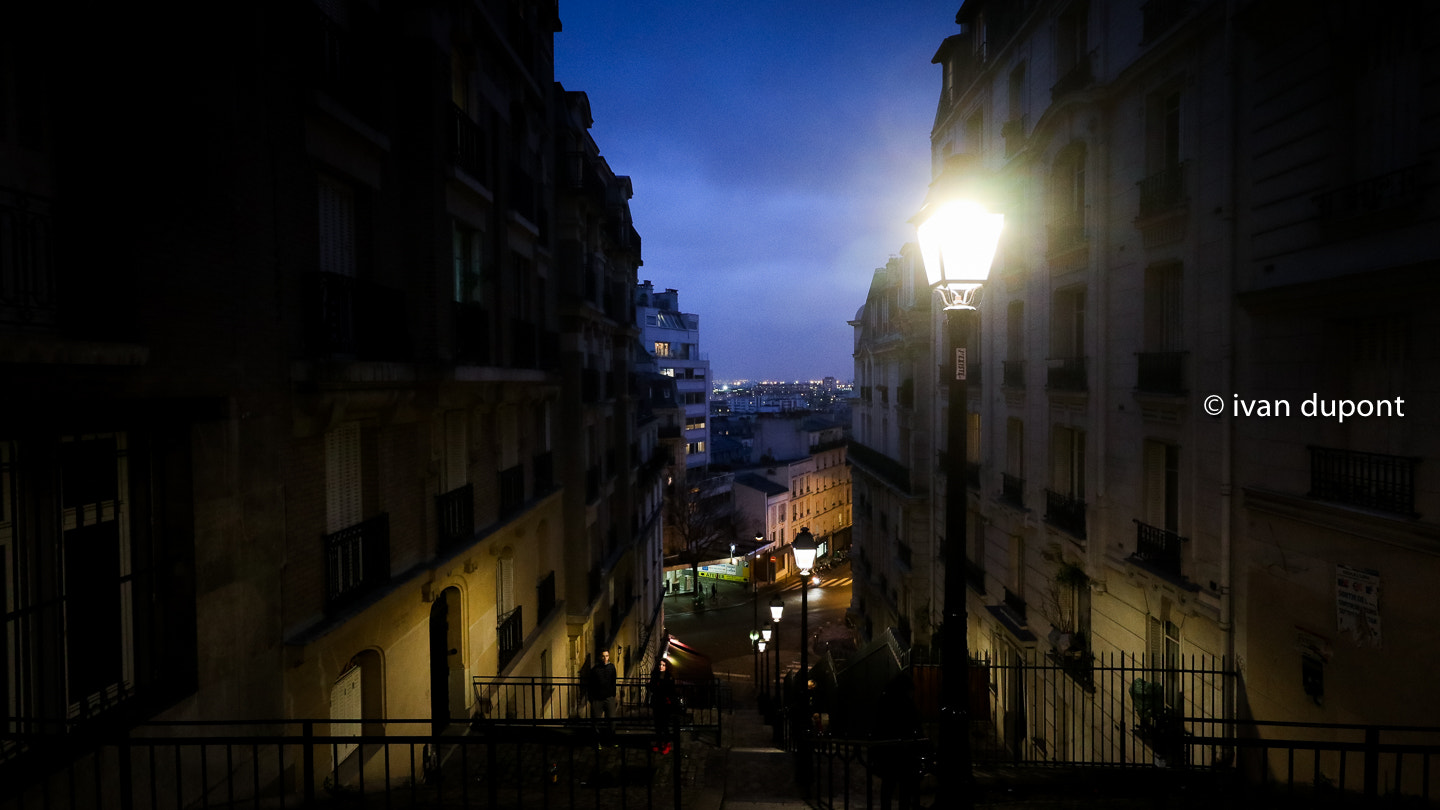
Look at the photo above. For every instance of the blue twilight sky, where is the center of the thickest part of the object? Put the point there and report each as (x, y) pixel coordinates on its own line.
(777, 149)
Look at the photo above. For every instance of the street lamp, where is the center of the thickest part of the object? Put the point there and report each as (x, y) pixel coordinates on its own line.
(755, 651)
(958, 237)
(776, 608)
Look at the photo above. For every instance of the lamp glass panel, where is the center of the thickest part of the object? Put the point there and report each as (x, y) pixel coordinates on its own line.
(958, 242)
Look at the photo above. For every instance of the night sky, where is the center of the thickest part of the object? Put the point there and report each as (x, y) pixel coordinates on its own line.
(777, 151)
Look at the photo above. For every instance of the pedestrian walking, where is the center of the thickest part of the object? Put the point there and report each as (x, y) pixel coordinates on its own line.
(663, 699)
(601, 687)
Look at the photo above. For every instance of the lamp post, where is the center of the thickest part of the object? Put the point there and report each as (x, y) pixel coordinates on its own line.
(776, 608)
(805, 548)
(958, 237)
(755, 653)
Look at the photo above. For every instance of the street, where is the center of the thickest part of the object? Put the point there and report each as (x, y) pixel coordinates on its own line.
(722, 630)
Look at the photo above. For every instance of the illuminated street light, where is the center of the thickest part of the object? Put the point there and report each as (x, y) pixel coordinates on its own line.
(958, 238)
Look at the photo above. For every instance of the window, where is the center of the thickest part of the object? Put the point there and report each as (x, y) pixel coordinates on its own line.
(975, 132)
(337, 227)
(1066, 229)
(1067, 458)
(1015, 331)
(1162, 131)
(662, 348)
(695, 423)
(1162, 485)
(694, 447)
(1163, 642)
(1015, 447)
(1072, 37)
(469, 250)
(1067, 323)
(342, 478)
(1163, 313)
(668, 372)
(504, 587)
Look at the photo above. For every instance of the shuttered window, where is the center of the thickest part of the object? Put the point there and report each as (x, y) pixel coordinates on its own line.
(505, 587)
(342, 478)
(345, 705)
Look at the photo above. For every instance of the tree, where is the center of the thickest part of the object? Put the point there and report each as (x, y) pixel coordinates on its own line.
(699, 519)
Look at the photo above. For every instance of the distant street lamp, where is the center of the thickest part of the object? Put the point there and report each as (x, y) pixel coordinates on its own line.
(958, 237)
(776, 608)
(804, 549)
(755, 653)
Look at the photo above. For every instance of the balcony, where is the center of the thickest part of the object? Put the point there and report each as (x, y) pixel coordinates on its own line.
(510, 636)
(542, 470)
(27, 271)
(888, 469)
(1066, 374)
(455, 517)
(1163, 191)
(1012, 490)
(1158, 550)
(357, 559)
(1368, 480)
(343, 65)
(512, 491)
(1399, 189)
(1159, 16)
(472, 334)
(1065, 233)
(1012, 373)
(1015, 603)
(1065, 513)
(349, 317)
(1161, 373)
(1076, 78)
(470, 147)
(975, 575)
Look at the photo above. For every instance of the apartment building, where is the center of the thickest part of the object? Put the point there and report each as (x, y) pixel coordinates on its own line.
(298, 355)
(1214, 219)
(673, 339)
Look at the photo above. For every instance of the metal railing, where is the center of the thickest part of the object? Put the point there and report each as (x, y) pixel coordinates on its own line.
(1065, 512)
(1066, 374)
(510, 635)
(455, 516)
(1163, 191)
(1012, 490)
(561, 702)
(1161, 372)
(357, 558)
(1158, 548)
(1371, 480)
(393, 763)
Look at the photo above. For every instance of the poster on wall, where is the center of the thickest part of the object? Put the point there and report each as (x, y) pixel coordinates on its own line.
(1357, 603)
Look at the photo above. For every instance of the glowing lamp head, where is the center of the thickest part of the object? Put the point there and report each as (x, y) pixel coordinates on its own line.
(958, 239)
(776, 608)
(761, 645)
(766, 631)
(804, 549)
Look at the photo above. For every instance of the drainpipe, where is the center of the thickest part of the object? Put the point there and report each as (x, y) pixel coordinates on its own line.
(1227, 326)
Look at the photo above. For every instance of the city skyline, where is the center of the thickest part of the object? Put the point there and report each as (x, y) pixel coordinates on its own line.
(782, 167)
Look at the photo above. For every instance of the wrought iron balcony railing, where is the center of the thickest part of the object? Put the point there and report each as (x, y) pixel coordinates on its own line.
(1065, 512)
(357, 559)
(27, 270)
(470, 147)
(1012, 490)
(1370, 480)
(1077, 77)
(512, 491)
(1066, 374)
(1065, 233)
(510, 635)
(1161, 372)
(1012, 373)
(1159, 16)
(455, 516)
(1163, 191)
(1158, 548)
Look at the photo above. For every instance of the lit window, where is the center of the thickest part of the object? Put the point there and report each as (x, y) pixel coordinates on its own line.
(662, 348)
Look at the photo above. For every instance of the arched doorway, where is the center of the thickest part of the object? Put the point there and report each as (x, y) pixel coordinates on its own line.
(447, 665)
